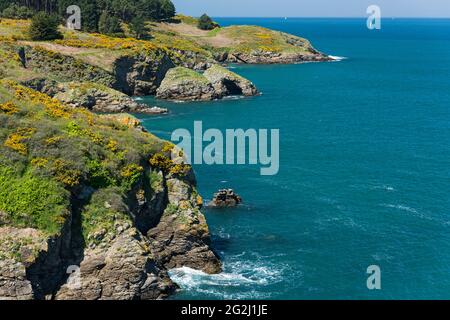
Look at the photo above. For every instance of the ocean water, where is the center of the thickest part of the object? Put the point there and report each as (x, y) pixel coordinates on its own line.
(364, 172)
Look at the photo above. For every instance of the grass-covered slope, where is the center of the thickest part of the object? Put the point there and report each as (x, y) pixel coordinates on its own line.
(238, 40)
(48, 151)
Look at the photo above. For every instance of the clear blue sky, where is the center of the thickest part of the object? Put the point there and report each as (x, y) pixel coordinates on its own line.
(313, 8)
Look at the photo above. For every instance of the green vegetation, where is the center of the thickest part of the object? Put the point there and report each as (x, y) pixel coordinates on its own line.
(93, 11)
(206, 23)
(33, 201)
(137, 27)
(48, 150)
(44, 27)
(109, 24)
(180, 74)
(106, 208)
(15, 11)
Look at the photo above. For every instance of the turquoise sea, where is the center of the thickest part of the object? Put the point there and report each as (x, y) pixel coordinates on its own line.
(364, 172)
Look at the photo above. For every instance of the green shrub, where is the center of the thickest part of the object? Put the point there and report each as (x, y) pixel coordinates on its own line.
(99, 176)
(206, 23)
(137, 27)
(17, 12)
(109, 24)
(31, 201)
(44, 27)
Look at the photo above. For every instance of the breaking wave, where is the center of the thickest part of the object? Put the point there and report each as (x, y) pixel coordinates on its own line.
(241, 279)
(337, 58)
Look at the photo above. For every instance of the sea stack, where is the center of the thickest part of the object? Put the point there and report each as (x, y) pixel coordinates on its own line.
(225, 198)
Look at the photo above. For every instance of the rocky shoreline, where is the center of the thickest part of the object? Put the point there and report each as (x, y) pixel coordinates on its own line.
(156, 226)
(182, 84)
(121, 243)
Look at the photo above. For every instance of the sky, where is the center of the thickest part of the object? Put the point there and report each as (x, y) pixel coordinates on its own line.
(313, 8)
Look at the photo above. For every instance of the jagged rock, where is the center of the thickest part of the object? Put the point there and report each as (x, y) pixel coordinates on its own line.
(93, 96)
(141, 75)
(216, 83)
(263, 57)
(182, 237)
(225, 198)
(306, 53)
(227, 83)
(17, 251)
(31, 264)
(122, 269)
(184, 84)
(101, 99)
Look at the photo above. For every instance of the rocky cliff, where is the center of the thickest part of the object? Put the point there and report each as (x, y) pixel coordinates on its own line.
(92, 207)
(215, 83)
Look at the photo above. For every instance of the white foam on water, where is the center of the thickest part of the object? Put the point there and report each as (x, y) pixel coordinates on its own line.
(338, 58)
(241, 279)
(235, 97)
(401, 207)
(385, 187)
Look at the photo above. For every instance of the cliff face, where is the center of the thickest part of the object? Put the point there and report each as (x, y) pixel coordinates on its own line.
(141, 75)
(78, 190)
(215, 83)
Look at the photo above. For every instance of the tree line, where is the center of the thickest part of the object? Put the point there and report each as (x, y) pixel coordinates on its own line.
(97, 15)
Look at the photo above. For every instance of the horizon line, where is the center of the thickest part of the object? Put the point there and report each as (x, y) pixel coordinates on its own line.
(327, 17)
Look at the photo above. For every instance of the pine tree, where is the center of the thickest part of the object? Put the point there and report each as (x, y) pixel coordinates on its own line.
(44, 27)
(109, 24)
(137, 26)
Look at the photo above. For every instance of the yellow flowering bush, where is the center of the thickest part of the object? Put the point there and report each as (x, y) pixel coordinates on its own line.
(65, 174)
(39, 162)
(131, 174)
(53, 107)
(9, 108)
(16, 141)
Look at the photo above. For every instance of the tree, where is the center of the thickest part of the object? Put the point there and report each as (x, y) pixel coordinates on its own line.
(137, 27)
(206, 23)
(89, 15)
(17, 12)
(44, 27)
(109, 24)
(167, 10)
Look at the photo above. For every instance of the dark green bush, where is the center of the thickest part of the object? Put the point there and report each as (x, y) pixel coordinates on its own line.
(15, 11)
(44, 27)
(206, 23)
(109, 24)
(137, 27)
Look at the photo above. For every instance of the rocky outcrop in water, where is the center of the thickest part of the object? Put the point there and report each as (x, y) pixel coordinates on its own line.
(227, 83)
(225, 198)
(216, 82)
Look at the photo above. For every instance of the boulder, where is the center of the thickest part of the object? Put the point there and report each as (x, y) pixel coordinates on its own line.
(184, 84)
(228, 83)
(225, 198)
(217, 82)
